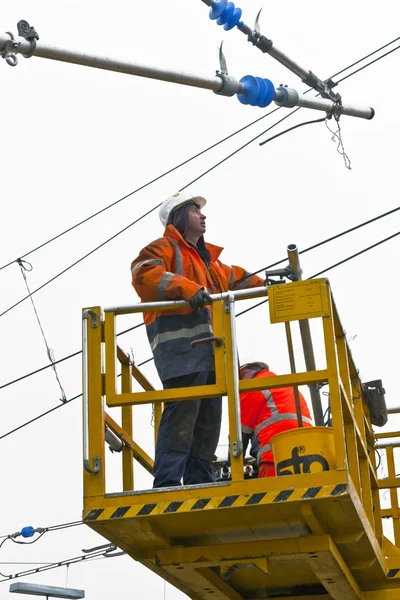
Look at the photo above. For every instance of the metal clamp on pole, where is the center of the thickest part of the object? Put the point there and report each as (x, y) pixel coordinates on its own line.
(28, 33)
(230, 86)
(227, 15)
(85, 392)
(237, 445)
(9, 52)
(289, 98)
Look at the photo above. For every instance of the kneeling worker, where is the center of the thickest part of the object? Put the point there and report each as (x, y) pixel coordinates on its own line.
(265, 413)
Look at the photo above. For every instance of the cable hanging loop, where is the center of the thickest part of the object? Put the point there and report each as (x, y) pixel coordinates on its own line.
(337, 137)
(26, 266)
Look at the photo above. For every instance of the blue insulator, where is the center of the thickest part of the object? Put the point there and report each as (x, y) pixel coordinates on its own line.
(269, 95)
(226, 14)
(234, 20)
(250, 91)
(262, 91)
(257, 91)
(27, 532)
(217, 8)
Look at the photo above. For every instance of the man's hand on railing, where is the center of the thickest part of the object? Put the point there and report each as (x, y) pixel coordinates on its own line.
(200, 299)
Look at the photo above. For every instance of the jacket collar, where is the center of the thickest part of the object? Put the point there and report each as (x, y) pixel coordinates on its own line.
(264, 373)
(173, 233)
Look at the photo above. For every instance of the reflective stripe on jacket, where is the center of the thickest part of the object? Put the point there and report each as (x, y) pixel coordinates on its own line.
(171, 269)
(265, 413)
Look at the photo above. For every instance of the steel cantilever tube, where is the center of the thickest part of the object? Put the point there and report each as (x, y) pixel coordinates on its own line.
(216, 83)
(306, 339)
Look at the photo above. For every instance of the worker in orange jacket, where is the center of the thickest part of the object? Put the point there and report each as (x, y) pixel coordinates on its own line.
(181, 266)
(265, 413)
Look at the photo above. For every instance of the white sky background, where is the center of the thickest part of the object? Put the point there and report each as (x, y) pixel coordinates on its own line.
(76, 139)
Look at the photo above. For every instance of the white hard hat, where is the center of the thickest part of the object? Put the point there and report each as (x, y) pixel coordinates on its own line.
(250, 359)
(177, 200)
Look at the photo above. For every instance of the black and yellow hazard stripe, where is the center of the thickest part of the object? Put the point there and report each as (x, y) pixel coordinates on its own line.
(212, 503)
(392, 572)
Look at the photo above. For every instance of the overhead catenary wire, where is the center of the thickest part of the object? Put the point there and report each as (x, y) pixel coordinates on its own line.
(57, 527)
(198, 154)
(190, 183)
(61, 563)
(368, 64)
(330, 239)
(341, 262)
(140, 188)
(23, 265)
(243, 312)
(59, 361)
(143, 216)
(237, 315)
(313, 247)
(47, 412)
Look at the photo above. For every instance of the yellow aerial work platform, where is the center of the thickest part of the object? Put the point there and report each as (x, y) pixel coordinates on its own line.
(310, 535)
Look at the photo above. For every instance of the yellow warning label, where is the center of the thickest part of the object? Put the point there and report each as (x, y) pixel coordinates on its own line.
(295, 301)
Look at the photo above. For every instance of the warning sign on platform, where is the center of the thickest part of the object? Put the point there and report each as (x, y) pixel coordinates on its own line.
(299, 300)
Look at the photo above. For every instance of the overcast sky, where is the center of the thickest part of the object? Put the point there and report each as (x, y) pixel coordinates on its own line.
(77, 139)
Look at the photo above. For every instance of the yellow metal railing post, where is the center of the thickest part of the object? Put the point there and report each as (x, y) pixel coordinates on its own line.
(334, 387)
(350, 433)
(93, 417)
(158, 408)
(127, 426)
(289, 342)
(110, 356)
(394, 499)
(219, 350)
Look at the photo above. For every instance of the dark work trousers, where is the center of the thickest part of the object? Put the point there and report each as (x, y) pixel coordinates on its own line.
(188, 435)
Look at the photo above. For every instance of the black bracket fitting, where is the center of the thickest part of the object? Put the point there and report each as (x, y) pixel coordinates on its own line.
(30, 34)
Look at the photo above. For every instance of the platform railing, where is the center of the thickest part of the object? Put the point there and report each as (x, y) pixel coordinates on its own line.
(387, 442)
(352, 432)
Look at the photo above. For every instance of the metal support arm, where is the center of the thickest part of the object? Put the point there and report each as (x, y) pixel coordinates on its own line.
(216, 83)
(251, 90)
(290, 98)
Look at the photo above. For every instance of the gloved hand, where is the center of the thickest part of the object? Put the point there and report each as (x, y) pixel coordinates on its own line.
(200, 299)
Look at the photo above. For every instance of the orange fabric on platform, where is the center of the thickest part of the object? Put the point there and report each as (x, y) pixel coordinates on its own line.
(268, 412)
(266, 469)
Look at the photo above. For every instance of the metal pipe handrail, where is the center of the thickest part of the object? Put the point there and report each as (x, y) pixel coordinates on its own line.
(172, 304)
(382, 445)
(85, 393)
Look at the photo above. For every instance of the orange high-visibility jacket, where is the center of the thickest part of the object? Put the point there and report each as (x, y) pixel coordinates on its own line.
(171, 269)
(265, 413)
